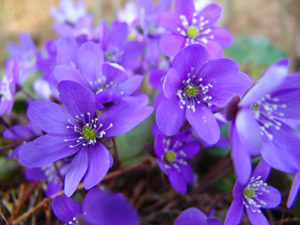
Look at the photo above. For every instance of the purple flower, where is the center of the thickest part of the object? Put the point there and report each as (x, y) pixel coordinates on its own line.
(98, 208)
(186, 27)
(201, 4)
(191, 85)
(73, 21)
(49, 174)
(83, 30)
(68, 11)
(26, 54)
(28, 133)
(152, 31)
(108, 82)
(262, 119)
(223, 141)
(116, 47)
(253, 195)
(156, 78)
(47, 61)
(294, 190)
(8, 86)
(194, 216)
(172, 155)
(148, 16)
(78, 131)
(21, 133)
(129, 14)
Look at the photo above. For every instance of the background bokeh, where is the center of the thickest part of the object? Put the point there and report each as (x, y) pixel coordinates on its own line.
(274, 22)
(264, 30)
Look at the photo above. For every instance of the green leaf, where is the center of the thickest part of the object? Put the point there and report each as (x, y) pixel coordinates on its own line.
(9, 169)
(130, 145)
(254, 54)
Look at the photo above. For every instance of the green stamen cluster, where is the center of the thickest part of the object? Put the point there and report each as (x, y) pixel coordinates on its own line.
(170, 156)
(192, 32)
(88, 133)
(191, 90)
(132, 37)
(255, 107)
(249, 193)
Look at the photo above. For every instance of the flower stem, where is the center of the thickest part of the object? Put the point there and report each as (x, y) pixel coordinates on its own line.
(4, 123)
(218, 110)
(117, 162)
(114, 174)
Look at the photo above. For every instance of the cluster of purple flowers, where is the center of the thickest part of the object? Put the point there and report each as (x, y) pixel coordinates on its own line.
(89, 93)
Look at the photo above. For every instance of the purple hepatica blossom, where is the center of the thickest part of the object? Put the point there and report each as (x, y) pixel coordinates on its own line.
(26, 54)
(27, 133)
(108, 82)
(73, 21)
(59, 51)
(194, 216)
(189, 27)
(191, 85)
(129, 13)
(48, 173)
(259, 125)
(172, 155)
(83, 30)
(21, 133)
(68, 12)
(148, 16)
(223, 141)
(151, 31)
(77, 131)
(254, 195)
(117, 48)
(294, 190)
(156, 78)
(8, 86)
(201, 4)
(98, 208)
(46, 85)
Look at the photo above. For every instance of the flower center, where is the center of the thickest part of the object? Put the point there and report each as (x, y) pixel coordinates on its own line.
(73, 221)
(253, 192)
(88, 133)
(268, 113)
(87, 130)
(132, 37)
(170, 156)
(191, 90)
(192, 32)
(173, 157)
(101, 84)
(255, 107)
(113, 54)
(250, 193)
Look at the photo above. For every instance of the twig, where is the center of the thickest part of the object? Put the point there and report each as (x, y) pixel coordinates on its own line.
(28, 94)
(221, 197)
(116, 154)
(270, 217)
(109, 176)
(21, 88)
(218, 110)
(215, 171)
(287, 221)
(58, 173)
(22, 201)
(6, 147)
